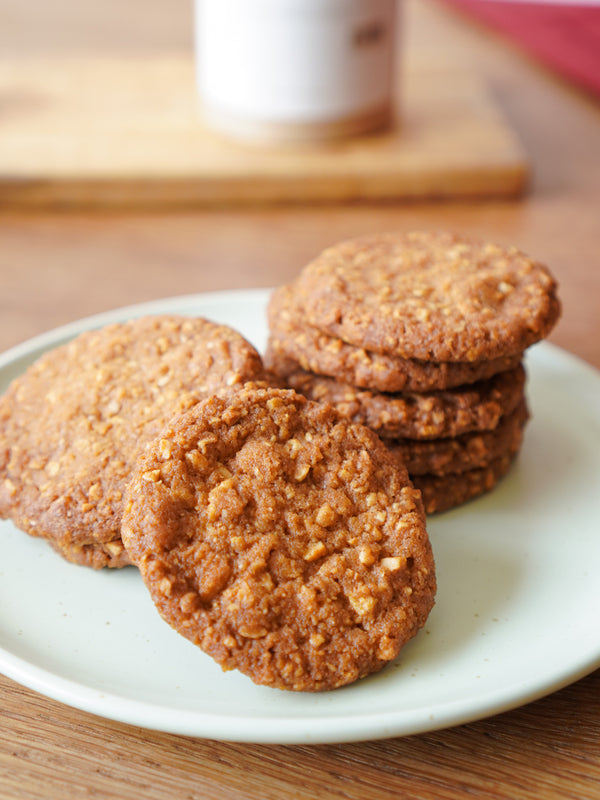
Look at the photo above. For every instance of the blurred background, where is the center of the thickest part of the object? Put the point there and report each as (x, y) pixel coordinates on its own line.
(113, 190)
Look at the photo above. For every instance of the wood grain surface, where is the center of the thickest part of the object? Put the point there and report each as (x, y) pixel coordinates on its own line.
(548, 749)
(128, 131)
(56, 267)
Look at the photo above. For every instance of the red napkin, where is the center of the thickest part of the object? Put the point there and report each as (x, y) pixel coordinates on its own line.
(563, 36)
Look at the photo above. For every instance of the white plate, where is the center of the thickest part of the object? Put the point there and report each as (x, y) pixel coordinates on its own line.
(516, 615)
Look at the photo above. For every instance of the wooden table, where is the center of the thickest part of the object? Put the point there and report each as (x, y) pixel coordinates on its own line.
(56, 267)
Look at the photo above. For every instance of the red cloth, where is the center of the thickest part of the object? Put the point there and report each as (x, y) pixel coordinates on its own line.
(564, 37)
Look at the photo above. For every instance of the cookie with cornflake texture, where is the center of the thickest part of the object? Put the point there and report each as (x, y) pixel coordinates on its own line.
(283, 540)
(464, 452)
(444, 492)
(429, 296)
(419, 415)
(294, 344)
(72, 426)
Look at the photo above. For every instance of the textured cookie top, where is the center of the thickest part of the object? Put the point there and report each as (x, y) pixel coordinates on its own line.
(430, 296)
(73, 424)
(281, 539)
(293, 344)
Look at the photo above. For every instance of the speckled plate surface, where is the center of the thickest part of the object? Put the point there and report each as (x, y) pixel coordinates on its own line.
(516, 613)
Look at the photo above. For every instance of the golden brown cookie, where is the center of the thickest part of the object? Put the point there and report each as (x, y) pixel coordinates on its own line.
(429, 296)
(283, 540)
(444, 492)
(465, 452)
(412, 415)
(73, 424)
(293, 344)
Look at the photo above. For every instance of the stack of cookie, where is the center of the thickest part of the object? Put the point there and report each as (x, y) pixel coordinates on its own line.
(421, 337)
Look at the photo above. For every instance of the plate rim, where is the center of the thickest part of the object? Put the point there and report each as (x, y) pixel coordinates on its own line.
(285, 731)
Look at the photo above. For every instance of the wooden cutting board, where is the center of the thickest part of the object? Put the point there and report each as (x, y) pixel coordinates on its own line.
(106, 132)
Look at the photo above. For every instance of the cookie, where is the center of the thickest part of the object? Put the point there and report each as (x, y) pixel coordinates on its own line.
(283, 540)
(412, 415)
(465, 452)
(429, 296)
(444, 492)
(72, 426)
(293, 344)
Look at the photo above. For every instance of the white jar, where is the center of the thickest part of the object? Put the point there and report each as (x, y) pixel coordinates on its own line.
(296, 69)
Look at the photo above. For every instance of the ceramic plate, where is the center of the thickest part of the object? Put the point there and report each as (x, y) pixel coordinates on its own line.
(516, 615)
